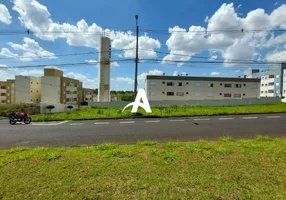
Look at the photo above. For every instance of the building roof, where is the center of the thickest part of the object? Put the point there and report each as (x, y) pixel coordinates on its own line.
(202, 78)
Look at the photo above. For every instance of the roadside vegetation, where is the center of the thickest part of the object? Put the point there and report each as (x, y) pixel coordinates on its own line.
(224, 169)
(171, 111)
(6, 109)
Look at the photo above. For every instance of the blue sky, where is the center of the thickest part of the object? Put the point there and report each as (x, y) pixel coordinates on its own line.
(43, 16)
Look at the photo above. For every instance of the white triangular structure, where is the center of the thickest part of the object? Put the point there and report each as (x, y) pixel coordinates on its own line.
(145, 105)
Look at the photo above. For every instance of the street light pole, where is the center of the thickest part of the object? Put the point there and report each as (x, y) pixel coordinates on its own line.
(136, 59)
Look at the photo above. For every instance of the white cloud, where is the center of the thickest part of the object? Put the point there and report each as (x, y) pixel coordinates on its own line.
(36, 17)
(31, 51)
(33, 72)
(142, 76)
(91, 61)
(206, 19)
(115, 64)
(87, 82)
(5, 16)
(230, 44)
(215, 74)
(175, 73)
(237, 71)
(214, 57)
(124, 79)
(7, 53)
(276, 56)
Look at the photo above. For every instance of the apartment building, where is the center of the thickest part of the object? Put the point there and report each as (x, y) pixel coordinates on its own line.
(27, 89)
(271, 80)
(57, 89)
(200, 88)
(7, 94)
(88, 94)
(284, 83)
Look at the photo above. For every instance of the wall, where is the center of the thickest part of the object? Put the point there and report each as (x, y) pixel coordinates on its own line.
(225, 102)
(51, 89)
(191, 91)
(22, 89)
(36, 89)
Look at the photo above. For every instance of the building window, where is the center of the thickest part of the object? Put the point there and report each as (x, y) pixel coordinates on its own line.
(163, 92)
(237, 95)
(37, 83)
(220, 84)
(243, 94)
(237, 85)
(261, 92)
(153, 83)
(211, 85)
(170, 84)
(197, 84)
(271, 84)
(265, 92)
(244, 84)
(31, 91)
(31, 82)
(266, 84)
(262, 85)
(210, 94)
(3, 94)
(197, 94)
(75, 99)
(3, 87)
(152, 94)
(170, 93)
(180, 93)
(227, 95)
(3, 101)
(254, 86)
(277, 84)
(228, 85)
(262, 77)
(271, 91)
(163, 82)
(187, 92)
(220, 93)
(277, 76)
(271, 76)
(180, 84)
(187, 83)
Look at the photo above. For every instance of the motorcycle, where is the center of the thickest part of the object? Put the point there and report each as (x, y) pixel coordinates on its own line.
(19, 117)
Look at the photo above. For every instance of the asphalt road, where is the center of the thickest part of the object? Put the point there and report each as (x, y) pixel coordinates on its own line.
(77, 133)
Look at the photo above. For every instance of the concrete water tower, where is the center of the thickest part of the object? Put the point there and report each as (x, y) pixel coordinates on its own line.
(104, 70)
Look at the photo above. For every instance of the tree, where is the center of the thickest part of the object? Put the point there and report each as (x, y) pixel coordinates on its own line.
(70, 107)
(50, 107)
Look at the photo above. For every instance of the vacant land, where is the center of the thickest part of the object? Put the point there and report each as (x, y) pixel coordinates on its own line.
(225, 169)
(172, 111)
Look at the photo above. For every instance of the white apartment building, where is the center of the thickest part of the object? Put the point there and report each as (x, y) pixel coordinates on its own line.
(284, 83)
(199, 88)
(27, 89)
(57, 89)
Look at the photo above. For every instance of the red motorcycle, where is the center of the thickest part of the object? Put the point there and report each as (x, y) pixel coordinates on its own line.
(19, 117)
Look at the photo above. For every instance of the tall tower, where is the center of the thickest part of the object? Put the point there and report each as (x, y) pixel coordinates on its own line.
(104, 70)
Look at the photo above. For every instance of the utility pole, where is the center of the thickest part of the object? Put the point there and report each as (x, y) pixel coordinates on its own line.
(136, 61)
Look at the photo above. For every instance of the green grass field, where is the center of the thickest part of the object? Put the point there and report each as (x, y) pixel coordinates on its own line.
(172, 111)
(224, 169)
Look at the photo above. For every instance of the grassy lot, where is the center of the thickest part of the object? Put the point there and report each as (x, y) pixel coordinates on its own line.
(225, 169)
(173, 111)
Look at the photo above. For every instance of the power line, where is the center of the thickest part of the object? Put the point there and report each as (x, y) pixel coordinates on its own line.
(212, 62)
(62, 64)
(60, 55)
(219, 31)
